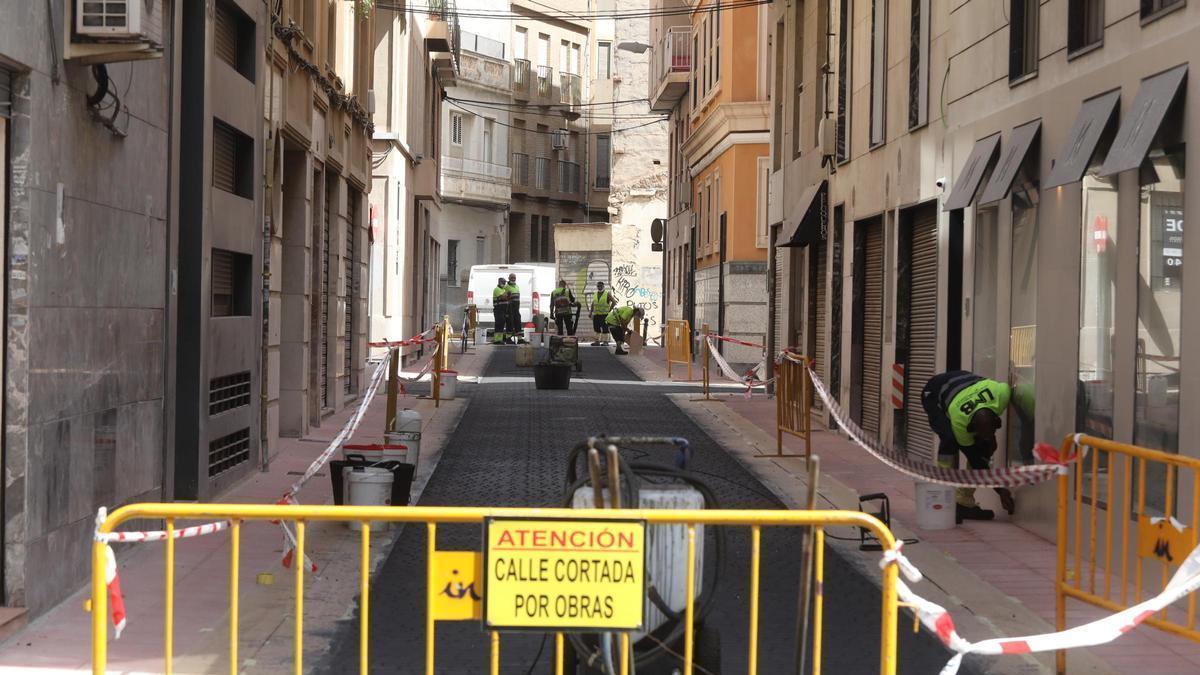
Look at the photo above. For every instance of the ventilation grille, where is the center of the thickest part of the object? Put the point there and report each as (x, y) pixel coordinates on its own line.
(227, 452)
(228, 392)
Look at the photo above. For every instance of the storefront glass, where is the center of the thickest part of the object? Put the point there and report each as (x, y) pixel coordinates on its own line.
(1022, 320)
(984, 309)
(1160, 285)
(1097, 307)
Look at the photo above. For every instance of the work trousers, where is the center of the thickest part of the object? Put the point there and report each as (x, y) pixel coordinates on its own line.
(562, 321)
(500, 317)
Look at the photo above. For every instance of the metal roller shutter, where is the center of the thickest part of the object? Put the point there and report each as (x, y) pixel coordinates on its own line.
(922, 345)
(323, 373)
(872, 328)
(818, 292)
(350, 295)
(782, 259)
(224, 162)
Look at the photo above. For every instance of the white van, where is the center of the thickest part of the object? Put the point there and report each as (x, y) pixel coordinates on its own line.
(535, 280)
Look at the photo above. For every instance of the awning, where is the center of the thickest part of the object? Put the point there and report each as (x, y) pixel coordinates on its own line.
(968, 181)
(1141, 123)
(1019, 142)
(810, 227)
(1095, 119)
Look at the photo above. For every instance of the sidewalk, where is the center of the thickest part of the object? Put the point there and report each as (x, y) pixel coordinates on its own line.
(996, 578)
(60, 640)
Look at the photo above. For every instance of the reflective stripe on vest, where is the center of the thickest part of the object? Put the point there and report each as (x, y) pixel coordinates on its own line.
(603, 303)
(498, 296)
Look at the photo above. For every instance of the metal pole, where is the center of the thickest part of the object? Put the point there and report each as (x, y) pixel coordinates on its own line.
(806, 569)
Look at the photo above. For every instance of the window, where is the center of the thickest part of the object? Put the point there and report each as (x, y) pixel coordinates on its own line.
(984, 303)
(547, 234)
(1097, 307)
(520, 168)
(1022, 38)
(843, 81)
(764, 193)
(489, 130)
(918, 66)
(574, 58)
(797, 75)
(710, 213)
(233, 38)
(603, 161)
(480, 247)
(521, 43)
(698, 215)
(716, 51)
(1085, 25)
(452, 262)
(542, 173)
(543, 53)
(564, 57)
(456, 128)
(230, 283)
(778, 97)
(697, 66)
(1022, 319)
(1156, 8)
(233, 160)
(878, 71)
(603, 60)
(1159, 301)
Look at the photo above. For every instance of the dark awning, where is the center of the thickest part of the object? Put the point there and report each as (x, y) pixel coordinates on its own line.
(810, 227)
(1141, 123)
(1095, 118)
(1019, 142)
(977, 164)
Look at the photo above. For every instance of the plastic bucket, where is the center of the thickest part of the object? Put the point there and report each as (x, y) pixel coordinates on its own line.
(552, 376)
(935, 506)
(524, 357)
(408, 439)
(367, 486)
(449, 384)
(480, 335)
(528, 331)
(538, 339)
(379, 452)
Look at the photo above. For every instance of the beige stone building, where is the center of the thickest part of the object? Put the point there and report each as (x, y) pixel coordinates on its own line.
(997, 187)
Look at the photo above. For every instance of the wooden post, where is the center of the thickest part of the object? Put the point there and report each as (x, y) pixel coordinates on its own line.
(393, 389)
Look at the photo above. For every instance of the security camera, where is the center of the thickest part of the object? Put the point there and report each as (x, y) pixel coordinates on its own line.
(941, 183)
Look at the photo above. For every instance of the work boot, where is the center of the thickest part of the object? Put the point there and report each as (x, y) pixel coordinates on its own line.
(620, 352)
(962, 513)
(1006, 500)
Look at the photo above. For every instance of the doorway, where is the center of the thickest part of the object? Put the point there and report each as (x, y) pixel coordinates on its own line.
(867, 327)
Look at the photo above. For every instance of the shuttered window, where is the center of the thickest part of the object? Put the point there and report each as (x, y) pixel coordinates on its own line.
(817, 303)
(922, 334)
(233, 38)
(323, 334)
(232, 160)
(351, 293)
(230, 283)
(5, 93)
(872, 328)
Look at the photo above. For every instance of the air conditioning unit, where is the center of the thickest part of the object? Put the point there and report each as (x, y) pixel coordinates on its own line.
(560, 139)
(826, 138)
(119, 20)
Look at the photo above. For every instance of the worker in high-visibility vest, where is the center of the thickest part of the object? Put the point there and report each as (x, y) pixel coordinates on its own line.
(599, 304)
(500, 311)
(618, 324)
(514, 307)
(965, 411)
(562, 303)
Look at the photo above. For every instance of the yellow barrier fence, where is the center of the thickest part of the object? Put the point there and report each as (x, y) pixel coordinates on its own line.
(438, 561)
(793, 403)
(679, 346)
(1100, 561)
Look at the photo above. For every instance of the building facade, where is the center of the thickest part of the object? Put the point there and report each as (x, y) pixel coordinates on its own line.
(940, 206)
(716, 89)
(416, 56)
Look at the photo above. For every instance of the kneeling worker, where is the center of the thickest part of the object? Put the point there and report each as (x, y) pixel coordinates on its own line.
(965, 412)
(618, 324)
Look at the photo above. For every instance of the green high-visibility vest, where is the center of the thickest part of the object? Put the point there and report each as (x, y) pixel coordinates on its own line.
(560, 300)
(985, 393)
(620, 316)
(498, 295)
(603, 303)
(514, 293)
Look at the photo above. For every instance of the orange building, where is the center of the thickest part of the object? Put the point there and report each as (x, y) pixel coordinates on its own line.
(716, 90)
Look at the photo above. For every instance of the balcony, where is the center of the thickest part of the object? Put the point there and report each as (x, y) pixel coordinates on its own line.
(541, 174)
(520, 173)
(570, 89)
(441, 21)
(545, 81)
(670, 68)
(569, 177)
(521, 76)
(471, 180)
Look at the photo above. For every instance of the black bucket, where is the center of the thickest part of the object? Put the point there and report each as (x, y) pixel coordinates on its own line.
(552, 375)
(402, 477)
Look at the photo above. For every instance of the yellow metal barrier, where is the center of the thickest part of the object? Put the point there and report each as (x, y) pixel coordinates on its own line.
(679, 346)
(1114, 485)
(432, 517)
(793, 403)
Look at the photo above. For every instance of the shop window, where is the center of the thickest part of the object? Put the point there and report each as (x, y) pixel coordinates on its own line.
(1097, 307)
(1022, 320)
(983, 306)
(1159, 298)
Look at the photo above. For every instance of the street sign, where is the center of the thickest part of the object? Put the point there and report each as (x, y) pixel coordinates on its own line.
(564, 575)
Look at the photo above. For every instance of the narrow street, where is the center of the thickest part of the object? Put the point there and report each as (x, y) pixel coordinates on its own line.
(510, 449)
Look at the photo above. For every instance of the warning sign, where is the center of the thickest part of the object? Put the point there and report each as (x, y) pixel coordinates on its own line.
(564, 574)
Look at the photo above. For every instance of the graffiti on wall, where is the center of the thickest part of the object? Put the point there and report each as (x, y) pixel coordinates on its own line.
(582, 269)
(627, 285)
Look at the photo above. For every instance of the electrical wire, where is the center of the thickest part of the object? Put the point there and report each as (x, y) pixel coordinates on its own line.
(625, 101)
(590, 116)
(509, 15)
(551, 132)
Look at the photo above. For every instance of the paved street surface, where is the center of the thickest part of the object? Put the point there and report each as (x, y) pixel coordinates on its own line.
(509, 450)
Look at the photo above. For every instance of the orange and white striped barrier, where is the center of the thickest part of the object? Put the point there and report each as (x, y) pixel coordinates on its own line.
(898, 386)
(1102, 631)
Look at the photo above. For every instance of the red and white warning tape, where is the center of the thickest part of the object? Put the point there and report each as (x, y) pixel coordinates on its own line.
(1185, 581)
(414, 340)
(1008, 477)
(751, 378)
(112, 579)
(289, 497)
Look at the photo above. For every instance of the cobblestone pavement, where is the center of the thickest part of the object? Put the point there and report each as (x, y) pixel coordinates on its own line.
(509, 450)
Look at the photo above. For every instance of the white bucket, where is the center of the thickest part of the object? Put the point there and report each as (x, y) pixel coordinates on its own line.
(538, 339)
(449, 385)
(528, 334)
(391, 450)
(480, 335)
(935, 506)
(407, 432)
(368, 486)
